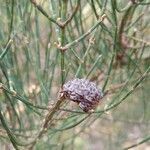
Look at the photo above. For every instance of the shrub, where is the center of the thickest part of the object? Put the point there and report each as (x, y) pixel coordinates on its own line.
(45, 44)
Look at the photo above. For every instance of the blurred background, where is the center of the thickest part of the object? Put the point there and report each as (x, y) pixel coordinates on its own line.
(45, 43)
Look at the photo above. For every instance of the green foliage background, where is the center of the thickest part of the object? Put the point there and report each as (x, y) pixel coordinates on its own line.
(43, 44)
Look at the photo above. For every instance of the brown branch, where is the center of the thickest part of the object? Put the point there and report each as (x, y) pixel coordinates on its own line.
(47, 121)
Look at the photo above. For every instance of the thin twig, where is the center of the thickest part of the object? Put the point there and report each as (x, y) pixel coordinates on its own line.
(47, 121)
(84, 35)
(63, 24)
(44, 12)
(19, 97)
(5, 50)
(138, 143)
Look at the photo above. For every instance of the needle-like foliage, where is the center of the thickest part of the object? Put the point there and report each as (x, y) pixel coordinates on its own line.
(105, 44)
